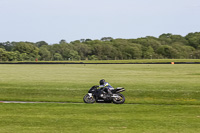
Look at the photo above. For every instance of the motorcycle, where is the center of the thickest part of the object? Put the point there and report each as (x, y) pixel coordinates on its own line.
(101, 95)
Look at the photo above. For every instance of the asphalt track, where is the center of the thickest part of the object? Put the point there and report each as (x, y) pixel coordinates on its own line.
(50, 102)
(39, 102)
(25, 102)
(32, 102)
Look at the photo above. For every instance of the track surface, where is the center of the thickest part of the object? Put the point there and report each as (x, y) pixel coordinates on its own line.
(24, 102)
(36, 102)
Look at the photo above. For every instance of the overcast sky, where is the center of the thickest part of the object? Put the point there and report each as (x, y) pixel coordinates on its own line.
(53, 20)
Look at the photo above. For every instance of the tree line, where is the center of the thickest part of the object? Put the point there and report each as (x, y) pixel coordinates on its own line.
(166, 46)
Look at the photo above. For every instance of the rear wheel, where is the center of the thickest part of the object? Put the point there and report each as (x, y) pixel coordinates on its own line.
(88, 99)
(119, 100)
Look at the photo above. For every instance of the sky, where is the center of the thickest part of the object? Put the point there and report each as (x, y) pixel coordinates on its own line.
(54, 20)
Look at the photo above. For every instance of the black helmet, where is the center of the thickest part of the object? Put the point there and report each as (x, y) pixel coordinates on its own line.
(101, 82)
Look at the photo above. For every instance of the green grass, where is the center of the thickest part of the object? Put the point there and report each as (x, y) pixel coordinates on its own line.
(163, 98)
(90, 118)
(143, 61)
(115, 61)
(159, 84)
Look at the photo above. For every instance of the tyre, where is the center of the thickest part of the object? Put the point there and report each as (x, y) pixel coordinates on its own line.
(88, 99)
(119, 100)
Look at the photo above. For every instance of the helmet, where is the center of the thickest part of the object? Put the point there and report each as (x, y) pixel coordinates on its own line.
(101, 82)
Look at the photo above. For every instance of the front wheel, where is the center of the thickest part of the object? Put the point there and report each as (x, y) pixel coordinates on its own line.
(119, 100)
(88, 99)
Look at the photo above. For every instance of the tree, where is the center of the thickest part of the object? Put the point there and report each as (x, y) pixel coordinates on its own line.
(44, 54)
(76, 42)
(82, 40)
(2, 52)
(82, 49)
(167, 51)
(74, 55)
(193, 39)
(148, 52)
(106, 38)
(97, 50)
(166, 46)
(56, 48)
(92, 57)
(165, 39)
(2, 46)
(132, 51)
(24, 57)
(41, 43)
(196, 54)
(57, 57)
(27, 48)
(87, 40)
(62, 41)
(179, 38)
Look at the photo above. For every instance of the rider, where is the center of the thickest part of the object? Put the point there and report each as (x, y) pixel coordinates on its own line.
(107, 86)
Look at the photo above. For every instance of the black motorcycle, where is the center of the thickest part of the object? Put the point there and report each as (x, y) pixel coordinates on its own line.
(102, 96)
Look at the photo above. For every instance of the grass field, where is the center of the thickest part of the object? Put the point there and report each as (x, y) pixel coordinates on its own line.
(90, 118)
(162, 98)
(166, 84)
(115, 61)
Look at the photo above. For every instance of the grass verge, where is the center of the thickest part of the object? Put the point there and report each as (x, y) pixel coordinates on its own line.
(139, 61)
(160, 84)
(86, 118)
